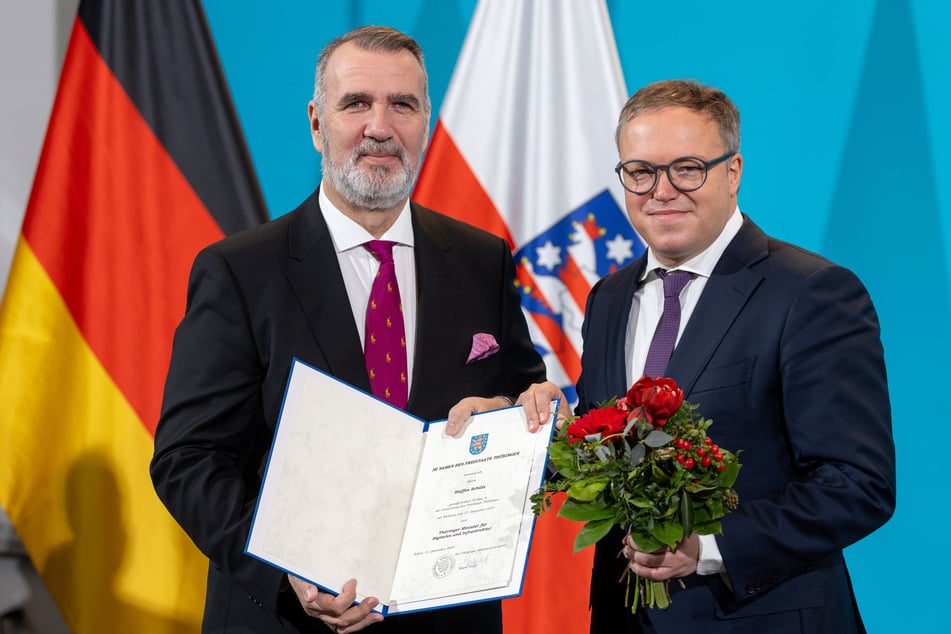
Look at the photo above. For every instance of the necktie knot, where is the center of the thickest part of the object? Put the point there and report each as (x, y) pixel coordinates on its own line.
(674, 281)
(382, 250)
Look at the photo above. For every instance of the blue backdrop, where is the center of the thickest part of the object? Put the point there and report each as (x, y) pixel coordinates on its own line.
(845, 131)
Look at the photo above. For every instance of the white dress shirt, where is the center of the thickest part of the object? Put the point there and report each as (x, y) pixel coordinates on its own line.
(359, 267)
(646, 310)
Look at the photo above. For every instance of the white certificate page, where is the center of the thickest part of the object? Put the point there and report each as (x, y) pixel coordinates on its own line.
(356, 488)
(470, 507)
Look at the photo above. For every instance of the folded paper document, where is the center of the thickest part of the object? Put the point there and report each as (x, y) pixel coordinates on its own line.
(356, 488)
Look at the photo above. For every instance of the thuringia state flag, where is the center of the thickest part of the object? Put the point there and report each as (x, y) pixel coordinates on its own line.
(524, 147)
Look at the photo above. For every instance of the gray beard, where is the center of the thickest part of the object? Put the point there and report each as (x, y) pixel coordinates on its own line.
(380, 188)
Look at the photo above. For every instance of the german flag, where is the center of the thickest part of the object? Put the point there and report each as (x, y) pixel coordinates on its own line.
(143, 164)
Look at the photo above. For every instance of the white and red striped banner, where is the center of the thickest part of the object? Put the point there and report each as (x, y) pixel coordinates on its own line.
(524, 147)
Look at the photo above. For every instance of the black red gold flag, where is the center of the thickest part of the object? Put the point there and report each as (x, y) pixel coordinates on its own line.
(143, 164)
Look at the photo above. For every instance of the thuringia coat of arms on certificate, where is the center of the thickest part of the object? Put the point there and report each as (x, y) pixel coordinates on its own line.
(478, 443)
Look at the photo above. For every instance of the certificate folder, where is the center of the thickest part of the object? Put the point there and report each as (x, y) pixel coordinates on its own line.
(356, 488)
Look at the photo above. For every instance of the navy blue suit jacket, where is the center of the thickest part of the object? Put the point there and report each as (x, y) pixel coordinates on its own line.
(260, 298)
(783, 353)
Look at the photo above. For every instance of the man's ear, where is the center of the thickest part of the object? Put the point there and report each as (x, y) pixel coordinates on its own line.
(736, 172)
(316, 134)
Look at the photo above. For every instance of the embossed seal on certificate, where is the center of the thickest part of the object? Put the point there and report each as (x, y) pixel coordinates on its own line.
(444, 566)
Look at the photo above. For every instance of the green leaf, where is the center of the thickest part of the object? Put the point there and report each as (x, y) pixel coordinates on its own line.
(584, 512)
(637, 454)
(604, 453)
(591, 532)
(716, 508)
(708, 528)
(646, 542)
(657, 438)
(729, 474)
(587, 491)
(659, 475)
(668, 533)
(641, 503)
(562, 452)
(686, 513)
(701, 515)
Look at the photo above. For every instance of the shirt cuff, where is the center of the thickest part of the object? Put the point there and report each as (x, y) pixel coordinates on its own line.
(709, 562)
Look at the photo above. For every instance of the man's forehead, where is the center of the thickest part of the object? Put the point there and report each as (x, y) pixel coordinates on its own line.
(350, 63)
(669, 126)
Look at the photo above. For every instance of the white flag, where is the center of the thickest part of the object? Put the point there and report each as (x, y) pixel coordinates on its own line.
(524, 147)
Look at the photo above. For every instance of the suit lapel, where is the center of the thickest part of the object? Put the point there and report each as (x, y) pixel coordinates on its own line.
(726, 293)
(314, 274)
(434, 278)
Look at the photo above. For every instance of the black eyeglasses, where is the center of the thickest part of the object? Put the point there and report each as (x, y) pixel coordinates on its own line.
(686, 174)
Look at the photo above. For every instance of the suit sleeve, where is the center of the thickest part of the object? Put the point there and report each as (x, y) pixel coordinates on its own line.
(212, 434)
(834, 409)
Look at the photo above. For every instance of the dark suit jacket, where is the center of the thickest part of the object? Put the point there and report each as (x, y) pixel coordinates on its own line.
(783, 353)
(262, 297)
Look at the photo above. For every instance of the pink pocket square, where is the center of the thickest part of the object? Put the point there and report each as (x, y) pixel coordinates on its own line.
(483, 345)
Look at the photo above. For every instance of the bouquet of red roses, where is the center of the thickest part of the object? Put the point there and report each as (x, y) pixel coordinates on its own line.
(644, 462)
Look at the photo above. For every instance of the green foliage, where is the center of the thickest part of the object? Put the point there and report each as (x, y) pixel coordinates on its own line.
(650, 479)
(591, 532)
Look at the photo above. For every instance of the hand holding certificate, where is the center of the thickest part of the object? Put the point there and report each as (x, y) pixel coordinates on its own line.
(356, 488)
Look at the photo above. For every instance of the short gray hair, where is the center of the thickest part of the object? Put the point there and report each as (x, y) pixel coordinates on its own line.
(369, 38)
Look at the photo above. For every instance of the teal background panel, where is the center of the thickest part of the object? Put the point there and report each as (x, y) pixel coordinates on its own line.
(845, 139)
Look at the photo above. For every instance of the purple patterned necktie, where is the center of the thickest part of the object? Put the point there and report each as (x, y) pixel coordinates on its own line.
(662, 345)
(385, 344)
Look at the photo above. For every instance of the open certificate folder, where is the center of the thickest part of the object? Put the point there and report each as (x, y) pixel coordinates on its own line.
(356, 488)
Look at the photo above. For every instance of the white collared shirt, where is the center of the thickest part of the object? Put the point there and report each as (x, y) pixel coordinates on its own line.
(648, 301)
(359, 267)
(646, 309)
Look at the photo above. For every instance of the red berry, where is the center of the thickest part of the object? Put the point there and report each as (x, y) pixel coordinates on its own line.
(721, 467)
(707, 441)
(680, 458)
(715, 449)
(718, 457)
(706, 461)
(701, 452)
(689, 463)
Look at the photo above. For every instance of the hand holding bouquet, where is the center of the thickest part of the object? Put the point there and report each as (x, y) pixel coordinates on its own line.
(644, 462)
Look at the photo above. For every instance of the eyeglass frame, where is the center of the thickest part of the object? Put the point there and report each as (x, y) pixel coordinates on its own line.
(657, 168)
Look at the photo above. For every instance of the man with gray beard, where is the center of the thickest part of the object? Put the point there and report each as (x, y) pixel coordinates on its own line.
(304, 286)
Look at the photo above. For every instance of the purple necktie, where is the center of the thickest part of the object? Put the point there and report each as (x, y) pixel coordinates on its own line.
(662, 345)
(385, 345)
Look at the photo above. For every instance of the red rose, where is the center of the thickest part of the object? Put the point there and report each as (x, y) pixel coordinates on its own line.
(654, 400)
(605, 421)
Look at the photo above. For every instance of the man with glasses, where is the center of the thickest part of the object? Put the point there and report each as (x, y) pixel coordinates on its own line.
(778, 346)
